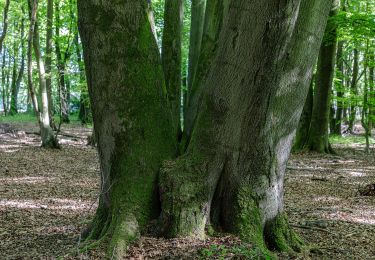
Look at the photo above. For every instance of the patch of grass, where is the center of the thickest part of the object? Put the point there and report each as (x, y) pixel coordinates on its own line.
(350, 140)
(27, 117)
(223, 252)
(22, 117)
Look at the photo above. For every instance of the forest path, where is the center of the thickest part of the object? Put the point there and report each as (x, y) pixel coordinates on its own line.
(324, 205)
(48, 196)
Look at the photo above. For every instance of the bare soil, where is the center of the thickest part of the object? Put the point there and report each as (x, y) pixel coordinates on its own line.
(47, 197)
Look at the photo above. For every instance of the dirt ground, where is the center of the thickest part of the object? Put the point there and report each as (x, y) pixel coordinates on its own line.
(47, 197)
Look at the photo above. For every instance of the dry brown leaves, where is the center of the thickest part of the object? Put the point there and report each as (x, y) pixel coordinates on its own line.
(48, 196)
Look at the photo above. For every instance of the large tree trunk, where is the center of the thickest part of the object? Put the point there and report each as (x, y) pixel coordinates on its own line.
(318, 134)
(340, 88)
(131, 116)
(172, 59)
(354, 91)
(303, 129)
(214, 18)
(232, 174)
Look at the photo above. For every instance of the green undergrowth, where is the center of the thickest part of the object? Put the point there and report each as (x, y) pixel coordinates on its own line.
(28, 117)
(242, 251)
(350, 140)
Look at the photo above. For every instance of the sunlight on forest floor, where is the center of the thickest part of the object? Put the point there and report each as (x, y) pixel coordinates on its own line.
(47, 197)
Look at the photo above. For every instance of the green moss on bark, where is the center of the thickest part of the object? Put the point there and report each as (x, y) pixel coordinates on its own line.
(280, 237)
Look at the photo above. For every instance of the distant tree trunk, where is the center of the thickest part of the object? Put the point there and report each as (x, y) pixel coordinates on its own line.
(302, 134)
(3, 78)
(214, 18)
(196, 31)
(371, 89)
(172, 58)
(365, 118)
(47, 135)
(231, 176)
(5, 24)
(49, 40)
(33, 6)
(13, 88)
(84, 101)
(23, 54)
(318, 134)
(131, 116)
(354, 91)
(62, 59)
(340, 88)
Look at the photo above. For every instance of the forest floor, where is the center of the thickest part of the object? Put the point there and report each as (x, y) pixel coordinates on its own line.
(47, 197)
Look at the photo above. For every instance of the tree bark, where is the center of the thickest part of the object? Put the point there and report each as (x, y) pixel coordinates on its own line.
(49, 40)
(303, 129)
(214, 18)
(340, 88)
(196, 31)
(47, 135)
(131, 116)
(318, 134)
(172, 58)
(354, 91)
(84, 100)
(3, 78)
(5, 24)
(371, 89)
(232, 173)
(18, 78)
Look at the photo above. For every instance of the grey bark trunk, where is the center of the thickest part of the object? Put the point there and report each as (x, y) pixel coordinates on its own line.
(196, 31)
(49, 40)
(214, 18)
(232, 174)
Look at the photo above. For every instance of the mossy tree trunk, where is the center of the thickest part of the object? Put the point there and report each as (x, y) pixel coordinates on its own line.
(319, 131)
(213, 21)
(231, 176)
(131, 116)
(302, 134)
(172, 59)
